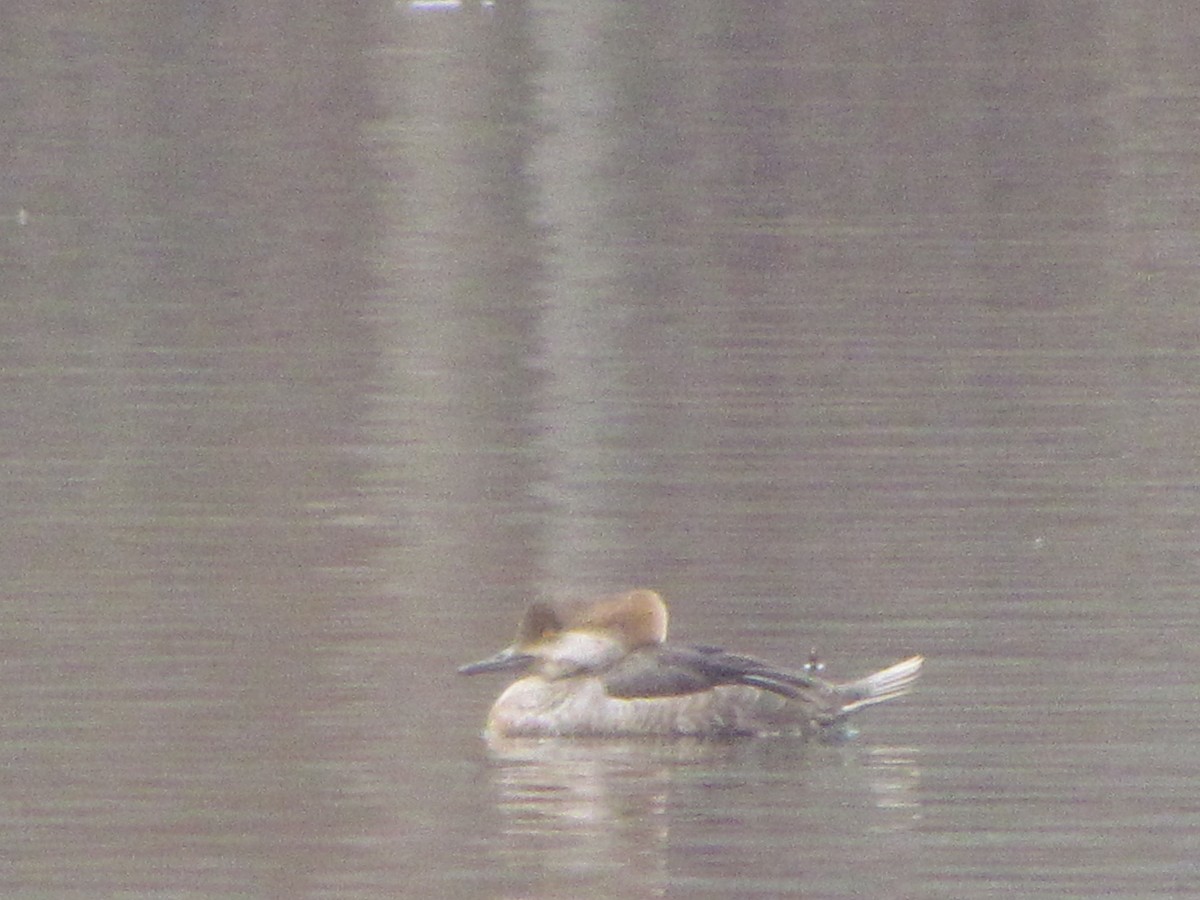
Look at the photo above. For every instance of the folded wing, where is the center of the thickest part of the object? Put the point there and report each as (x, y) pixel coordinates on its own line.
(666, 671)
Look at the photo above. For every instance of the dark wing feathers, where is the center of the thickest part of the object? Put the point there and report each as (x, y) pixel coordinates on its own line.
(638, 675)
(669, 671)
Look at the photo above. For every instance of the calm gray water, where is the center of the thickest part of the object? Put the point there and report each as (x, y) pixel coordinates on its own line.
(335, 333)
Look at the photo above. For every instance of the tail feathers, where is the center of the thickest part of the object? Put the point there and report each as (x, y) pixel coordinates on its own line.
(879, 687)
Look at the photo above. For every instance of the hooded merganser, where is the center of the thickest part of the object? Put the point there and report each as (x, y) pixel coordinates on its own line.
(603, 668)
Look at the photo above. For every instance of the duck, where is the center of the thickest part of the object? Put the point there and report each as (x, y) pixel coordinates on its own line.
(603, 668)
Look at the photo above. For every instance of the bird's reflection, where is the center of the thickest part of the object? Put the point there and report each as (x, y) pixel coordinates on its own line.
(578, 814)
(894, 777)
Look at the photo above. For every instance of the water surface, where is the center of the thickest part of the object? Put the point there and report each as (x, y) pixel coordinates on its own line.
(335, 336)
